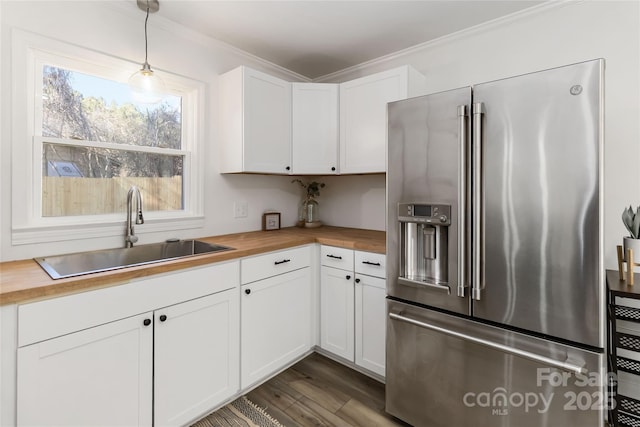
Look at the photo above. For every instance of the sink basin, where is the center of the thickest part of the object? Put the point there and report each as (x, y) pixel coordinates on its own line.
(69, 265)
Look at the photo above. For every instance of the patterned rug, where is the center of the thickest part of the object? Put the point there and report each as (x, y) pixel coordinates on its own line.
(240, 413)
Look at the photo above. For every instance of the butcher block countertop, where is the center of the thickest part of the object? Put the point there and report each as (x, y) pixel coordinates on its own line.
(25, 280)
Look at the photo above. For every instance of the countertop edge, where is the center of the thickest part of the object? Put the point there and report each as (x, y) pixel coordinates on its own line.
(245, 244)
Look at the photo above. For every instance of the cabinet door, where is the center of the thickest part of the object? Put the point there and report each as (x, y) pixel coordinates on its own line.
(336, 312)
(315, 128)
(267, 123)
(363, 119)
(275, 323)
(196, 351)
(370, 323)
(100, 376)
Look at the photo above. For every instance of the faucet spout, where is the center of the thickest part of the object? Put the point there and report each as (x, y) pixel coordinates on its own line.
(131, 237)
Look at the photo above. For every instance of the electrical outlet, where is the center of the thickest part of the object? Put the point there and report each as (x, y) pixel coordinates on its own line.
(241, 209)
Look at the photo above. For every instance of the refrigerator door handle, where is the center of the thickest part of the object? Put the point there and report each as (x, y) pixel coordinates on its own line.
(569, 364)
(478, 233)
(462, 197)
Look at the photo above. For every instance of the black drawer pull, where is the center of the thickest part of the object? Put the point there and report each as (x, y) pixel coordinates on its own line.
(371, 263)
(334, 256)
(282, 262)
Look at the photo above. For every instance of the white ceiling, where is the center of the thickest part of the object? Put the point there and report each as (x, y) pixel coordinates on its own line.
(316, 38)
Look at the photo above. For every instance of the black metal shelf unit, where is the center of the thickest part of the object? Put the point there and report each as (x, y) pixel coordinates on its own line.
(626, 411)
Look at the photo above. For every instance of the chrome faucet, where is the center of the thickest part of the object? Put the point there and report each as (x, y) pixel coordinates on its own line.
(131, 238)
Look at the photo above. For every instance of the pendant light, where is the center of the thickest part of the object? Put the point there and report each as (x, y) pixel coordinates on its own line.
(146, 86)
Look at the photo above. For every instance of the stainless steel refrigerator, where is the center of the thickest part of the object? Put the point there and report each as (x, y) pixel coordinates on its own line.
(495, 280)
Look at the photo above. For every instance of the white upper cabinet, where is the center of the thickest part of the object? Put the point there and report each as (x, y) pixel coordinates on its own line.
(363, 116)
(315, 128)
(269, 125)
(255, 122)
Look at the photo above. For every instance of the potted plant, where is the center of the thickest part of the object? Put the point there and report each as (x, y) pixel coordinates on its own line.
(631, 220)
(308, 213)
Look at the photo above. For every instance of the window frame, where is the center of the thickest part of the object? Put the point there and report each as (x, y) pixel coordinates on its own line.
(30, 53)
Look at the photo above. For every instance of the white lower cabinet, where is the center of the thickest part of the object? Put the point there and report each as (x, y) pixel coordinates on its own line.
(337, 312)
(100, 376)
(196, 349)
(370, 324)
(276, 323)
(164, 367)
(165, 350)
(353, 307)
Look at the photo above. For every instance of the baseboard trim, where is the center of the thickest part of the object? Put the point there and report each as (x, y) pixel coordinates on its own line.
(350, 364)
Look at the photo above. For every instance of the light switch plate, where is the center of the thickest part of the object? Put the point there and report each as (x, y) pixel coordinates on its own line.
(241, 209)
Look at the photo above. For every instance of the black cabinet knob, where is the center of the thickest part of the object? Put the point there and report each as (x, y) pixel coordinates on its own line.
(288, 168)
(163, 317)
(146, 322)
(247, 291)
(333, 168)
(348, 277)
(357, 280)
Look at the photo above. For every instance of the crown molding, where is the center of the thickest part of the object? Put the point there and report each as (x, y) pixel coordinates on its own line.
(464, 33)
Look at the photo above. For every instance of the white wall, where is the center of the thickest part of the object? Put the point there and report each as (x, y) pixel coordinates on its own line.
(116, 28)
(548, 37)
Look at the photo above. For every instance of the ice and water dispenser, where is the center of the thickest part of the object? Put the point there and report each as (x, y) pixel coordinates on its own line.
(424, 230)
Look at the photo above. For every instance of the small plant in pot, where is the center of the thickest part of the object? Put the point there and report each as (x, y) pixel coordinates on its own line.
(631, 220)
(308, 212)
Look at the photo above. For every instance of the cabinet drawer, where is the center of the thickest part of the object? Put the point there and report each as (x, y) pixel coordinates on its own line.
(42, 320)
(629, 314)
(627, 341)
(628, 385)
(628, 302)
(628, 420)
(628, 365)
(274, 263)
(336, 257)
(370, 263)
(630, 405)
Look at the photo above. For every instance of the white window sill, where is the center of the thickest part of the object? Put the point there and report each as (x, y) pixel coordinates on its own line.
(61, 233)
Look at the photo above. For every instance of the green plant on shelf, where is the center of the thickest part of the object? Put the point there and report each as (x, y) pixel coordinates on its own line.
(631, 220)
(312, 188)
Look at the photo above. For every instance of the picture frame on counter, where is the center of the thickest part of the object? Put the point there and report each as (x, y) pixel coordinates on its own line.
(271, 221)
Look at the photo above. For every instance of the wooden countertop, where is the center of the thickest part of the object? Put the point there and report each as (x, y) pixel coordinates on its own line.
(25, 280)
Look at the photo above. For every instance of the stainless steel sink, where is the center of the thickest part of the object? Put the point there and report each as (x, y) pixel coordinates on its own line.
(69, 265)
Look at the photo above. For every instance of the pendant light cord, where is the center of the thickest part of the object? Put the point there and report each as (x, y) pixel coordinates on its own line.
(145, 35)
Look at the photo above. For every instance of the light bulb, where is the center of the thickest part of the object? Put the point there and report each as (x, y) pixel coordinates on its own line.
(146, 86)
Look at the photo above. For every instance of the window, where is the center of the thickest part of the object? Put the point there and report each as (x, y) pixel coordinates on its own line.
(97, 142)
(80, 141)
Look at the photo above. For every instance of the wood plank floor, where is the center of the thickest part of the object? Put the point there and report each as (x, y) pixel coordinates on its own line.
(318, 391)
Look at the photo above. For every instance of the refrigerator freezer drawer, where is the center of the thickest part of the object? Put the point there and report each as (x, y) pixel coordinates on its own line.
(447, 371)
